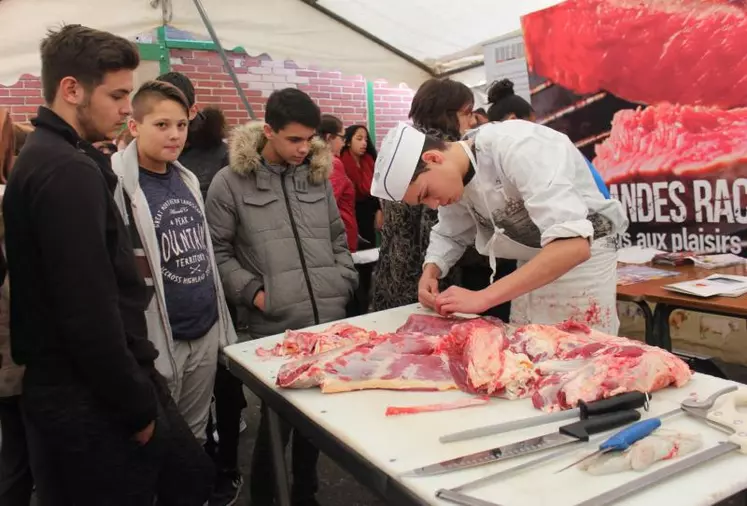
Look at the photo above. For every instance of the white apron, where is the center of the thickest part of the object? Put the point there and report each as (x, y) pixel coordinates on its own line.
(586, 293)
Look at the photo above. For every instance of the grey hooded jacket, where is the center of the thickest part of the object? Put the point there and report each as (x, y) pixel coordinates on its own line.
(280, 233)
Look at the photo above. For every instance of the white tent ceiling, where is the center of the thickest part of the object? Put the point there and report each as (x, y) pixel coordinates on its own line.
(398, 40)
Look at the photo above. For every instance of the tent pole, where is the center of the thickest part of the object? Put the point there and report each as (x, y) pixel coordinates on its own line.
(224, 57)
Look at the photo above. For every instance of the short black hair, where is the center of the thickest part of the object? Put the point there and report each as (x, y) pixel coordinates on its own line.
(431, 142)
(505, 102)
(85, 54)
(182, 82)
(290, 105)
(480, 111)
(153, 92)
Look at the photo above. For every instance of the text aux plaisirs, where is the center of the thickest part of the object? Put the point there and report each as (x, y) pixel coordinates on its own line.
(684, 239)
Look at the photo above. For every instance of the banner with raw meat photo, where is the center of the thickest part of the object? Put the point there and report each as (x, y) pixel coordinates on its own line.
(654, 93)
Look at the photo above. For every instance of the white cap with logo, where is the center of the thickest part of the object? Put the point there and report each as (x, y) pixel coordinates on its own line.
(398, 157)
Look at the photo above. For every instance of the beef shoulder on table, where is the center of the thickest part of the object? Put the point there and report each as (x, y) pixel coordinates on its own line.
(555, 365)
(577, 363)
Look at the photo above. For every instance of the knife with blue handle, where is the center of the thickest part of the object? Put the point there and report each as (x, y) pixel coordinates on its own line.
(622, 440)
(568, 434)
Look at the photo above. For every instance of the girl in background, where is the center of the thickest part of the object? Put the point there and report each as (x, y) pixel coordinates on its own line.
(358, 157)
(508, 105)
(331, 131)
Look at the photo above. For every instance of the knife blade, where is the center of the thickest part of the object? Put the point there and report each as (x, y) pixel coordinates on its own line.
(568, 434)
(628, 400)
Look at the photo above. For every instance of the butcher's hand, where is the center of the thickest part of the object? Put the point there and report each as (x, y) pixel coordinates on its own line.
(259, 300)
(428, 286)
(460, 300)
(143, 437)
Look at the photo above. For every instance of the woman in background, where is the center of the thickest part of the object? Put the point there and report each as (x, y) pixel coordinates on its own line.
(442, 108)
(508, 105)
(358, 156)
(331, 131)
(16, 481)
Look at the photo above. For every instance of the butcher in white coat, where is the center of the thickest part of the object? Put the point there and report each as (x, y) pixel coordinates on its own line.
(517, 190)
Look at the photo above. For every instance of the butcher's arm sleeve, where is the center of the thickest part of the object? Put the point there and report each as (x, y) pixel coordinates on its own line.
(542, 170)
(450, 237)
(71, 210)
(239, 285)
(343, 258)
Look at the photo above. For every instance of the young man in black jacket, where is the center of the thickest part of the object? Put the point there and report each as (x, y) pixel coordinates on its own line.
(101, 426)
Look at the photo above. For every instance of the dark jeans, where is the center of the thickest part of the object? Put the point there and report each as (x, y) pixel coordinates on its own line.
(229, 402)
(478, 277)
(361, 300)
(16, 481)
(82, 456)
(304, 457)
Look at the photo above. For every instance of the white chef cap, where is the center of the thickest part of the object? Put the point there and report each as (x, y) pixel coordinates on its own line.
(396, 162)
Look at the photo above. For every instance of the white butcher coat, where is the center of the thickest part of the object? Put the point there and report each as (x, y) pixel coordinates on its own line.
(533, 186)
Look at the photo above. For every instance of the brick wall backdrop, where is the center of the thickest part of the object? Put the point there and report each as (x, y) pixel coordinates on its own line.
(343, 96)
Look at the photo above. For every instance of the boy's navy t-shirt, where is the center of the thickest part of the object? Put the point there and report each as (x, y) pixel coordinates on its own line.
(188, 277)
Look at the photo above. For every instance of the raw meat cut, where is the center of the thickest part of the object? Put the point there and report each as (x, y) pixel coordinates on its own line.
(664, 444)
(443, 406)
(684, 141)
(393, 362)
(649, 51)
(481, 363)
(587, 365)
(431, 325)
(557, 365)
(304, 343)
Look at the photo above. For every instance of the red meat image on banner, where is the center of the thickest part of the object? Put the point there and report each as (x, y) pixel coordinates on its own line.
(654, 93)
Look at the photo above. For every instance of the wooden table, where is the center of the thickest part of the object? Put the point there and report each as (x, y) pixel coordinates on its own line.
(657, 322)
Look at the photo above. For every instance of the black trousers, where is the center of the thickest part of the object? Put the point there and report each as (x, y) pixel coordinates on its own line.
(361, 299)
(476, 277)
(16, 481)
(81, 456)
(304, 457)
(229, 403)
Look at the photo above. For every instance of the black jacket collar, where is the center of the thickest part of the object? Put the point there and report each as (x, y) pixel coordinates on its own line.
(49, 120)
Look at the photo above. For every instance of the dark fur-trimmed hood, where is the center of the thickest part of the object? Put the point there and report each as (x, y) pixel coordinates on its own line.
(246, 144)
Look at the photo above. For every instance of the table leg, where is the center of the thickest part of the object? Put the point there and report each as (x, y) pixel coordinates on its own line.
(648, 318)
(278, 459)
(661, 331)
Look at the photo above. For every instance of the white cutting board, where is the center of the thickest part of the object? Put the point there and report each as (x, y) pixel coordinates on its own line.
(400, 443)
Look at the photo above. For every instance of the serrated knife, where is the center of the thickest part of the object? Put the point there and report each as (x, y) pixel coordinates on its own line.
(568, 434)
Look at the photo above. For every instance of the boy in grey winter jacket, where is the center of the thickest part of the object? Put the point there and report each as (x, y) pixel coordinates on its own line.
(281, 247)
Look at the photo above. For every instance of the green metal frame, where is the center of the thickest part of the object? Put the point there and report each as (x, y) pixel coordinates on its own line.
(164, 58)
(160, 50)
(371, 107)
